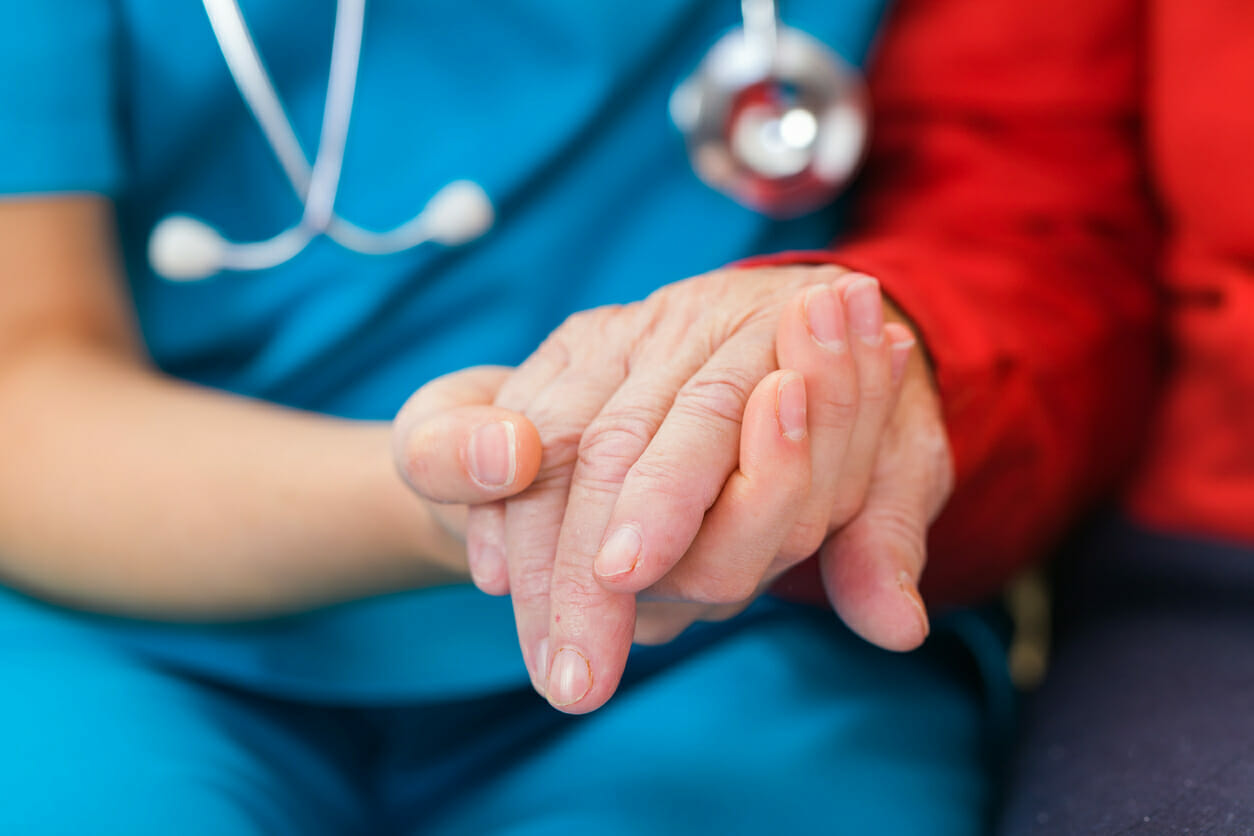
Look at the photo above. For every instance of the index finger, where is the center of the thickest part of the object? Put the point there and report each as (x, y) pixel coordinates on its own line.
(590, 628)
(574, 374)
(664, 496)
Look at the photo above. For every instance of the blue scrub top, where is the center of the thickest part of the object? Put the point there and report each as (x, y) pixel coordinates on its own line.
(557, 107)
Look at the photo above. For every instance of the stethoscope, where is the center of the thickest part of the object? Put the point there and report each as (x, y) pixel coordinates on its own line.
(771, 117)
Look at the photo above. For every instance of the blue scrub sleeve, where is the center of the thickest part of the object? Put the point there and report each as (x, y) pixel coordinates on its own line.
(59, 100)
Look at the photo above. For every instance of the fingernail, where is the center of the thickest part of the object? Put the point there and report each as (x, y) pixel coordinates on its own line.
(487, 563)
(492, 457)
(865, 310)
(619, 554)
(911, 592)
(901, 356)
(540, 664)
(570, 680)
(823, 318)
(790, 407)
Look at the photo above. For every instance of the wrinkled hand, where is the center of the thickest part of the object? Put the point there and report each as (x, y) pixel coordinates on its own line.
(640, 411)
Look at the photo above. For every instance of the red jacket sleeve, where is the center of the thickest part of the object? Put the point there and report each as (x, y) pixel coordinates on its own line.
(1003, 210)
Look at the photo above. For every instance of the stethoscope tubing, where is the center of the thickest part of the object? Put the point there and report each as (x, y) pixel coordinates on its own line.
(316, 185)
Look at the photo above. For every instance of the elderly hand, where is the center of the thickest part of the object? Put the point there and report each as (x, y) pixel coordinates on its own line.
(647, 484)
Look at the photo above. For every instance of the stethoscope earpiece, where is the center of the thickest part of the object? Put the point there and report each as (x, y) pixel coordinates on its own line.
(185, 249)
(458, 213)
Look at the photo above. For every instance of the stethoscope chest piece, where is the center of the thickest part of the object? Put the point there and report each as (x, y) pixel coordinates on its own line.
(774, 119)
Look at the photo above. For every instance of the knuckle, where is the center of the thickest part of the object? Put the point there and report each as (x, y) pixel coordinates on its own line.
(735, 589)
(895, 521)
(874, 386)
(529, 580)
(560, 433)
(791, 491)
(684, 292)
(720, 396)
(825, 272)
(720, 589)
(578, 609)
(837, 405)
(662, 298)
(556, 346)
(557, 460)
(612, 443)
(725, 613)
(651, 634)
(847, 506)
(874, 396)
(661, 622)
(415, 461)
(805, 539)
(580, 322)
(553, 355)
(594, 326)
(670, 481)
(574, 594)
(936, 460)
(679, 302)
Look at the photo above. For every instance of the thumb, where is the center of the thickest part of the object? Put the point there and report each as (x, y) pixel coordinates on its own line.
(452, 445)
(870, 571)
(871, 567)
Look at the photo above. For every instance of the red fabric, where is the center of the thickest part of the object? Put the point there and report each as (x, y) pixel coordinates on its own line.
(1004, 210)
(1198, 476)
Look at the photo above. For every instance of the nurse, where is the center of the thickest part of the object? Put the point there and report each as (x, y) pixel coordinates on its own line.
(226, 614)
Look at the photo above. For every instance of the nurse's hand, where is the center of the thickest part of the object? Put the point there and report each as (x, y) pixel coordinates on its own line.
(455, 448)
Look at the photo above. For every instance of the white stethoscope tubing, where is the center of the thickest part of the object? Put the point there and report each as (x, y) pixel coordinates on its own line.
(317, 187)
(244, 61)
(183, 247)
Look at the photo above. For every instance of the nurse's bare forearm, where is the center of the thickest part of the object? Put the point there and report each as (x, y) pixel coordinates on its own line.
(123, 490)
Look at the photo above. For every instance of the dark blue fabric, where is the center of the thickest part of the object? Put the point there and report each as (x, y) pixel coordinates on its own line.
(1145, 723)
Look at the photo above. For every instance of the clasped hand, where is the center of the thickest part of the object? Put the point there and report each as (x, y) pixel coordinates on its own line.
(664, 462)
